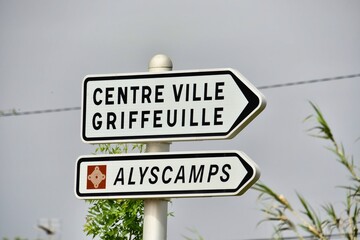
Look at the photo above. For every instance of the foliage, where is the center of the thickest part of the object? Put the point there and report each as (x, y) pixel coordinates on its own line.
(336, 223)
(119, 219)
(10, 112)
(16, 238)
(198, 236)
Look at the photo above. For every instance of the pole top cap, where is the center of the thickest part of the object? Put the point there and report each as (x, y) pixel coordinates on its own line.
(160, 63)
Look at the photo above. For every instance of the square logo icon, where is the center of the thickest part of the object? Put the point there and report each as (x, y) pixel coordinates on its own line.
(96, 177)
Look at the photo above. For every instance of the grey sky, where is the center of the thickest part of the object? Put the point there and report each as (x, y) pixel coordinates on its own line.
(47, 48)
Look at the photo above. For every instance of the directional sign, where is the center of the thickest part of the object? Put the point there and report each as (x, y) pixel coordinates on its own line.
(170, 106)
(164, 175)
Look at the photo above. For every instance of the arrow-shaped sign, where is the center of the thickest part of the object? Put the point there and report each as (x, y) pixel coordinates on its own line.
(170, 106)
(165, 175)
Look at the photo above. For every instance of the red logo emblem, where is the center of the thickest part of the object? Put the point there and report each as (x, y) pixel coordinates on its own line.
(96, 176)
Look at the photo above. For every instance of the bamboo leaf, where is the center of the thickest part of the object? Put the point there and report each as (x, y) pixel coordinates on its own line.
(307, 211)
(268, 191)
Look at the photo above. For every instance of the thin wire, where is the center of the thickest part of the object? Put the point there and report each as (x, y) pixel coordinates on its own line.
(309, 81)
(16, 113)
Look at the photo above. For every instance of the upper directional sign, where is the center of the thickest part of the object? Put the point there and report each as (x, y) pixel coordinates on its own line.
(165, 175)
(170, 106)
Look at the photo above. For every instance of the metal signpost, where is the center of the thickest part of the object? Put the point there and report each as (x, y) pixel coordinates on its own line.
(157, 108)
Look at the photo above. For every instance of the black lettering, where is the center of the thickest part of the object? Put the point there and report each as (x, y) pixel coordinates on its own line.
(108, 96)
(173, 123)
(183, 118)
(142, 174)
(130, 182)
(192, 123)
(146, 92)
(196, 175)
(132, 118)
(97, 102)
(219, 90)
(157, 118)
(204, 123)
(195, 98)
(119, 177)
(218, 116)
(187, 92)
(177, 93)
(180, 175)
(122, 116)
(166, 181)
(206, 97)
(152, 171)
(110, 120)
(212, 171)
(159, 93)
(97, 124)
(134, 89)
(226, 173)
(122, 95)
(143, 118)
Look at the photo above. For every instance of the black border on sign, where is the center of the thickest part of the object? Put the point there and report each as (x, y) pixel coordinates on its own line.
(253, 104)
(176, 193)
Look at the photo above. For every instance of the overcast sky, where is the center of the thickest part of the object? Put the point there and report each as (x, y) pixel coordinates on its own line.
(47, 47)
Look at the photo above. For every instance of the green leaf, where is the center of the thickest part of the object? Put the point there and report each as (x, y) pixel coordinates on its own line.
(265, 190)
(115, 219)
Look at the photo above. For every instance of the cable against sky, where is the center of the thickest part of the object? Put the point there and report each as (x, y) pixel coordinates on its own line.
(289, 84)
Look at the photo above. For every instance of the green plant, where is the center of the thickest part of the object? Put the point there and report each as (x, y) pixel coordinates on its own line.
(119, 219)
(16, 238)
(344, 223)
(194, 232)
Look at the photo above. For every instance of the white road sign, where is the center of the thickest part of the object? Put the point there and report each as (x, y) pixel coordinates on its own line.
(164, 175)
(170, 106)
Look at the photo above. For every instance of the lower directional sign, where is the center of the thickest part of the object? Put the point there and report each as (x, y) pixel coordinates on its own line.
(165, 175)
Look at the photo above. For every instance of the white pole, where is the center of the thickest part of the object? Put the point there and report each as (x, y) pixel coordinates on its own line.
(156, 210)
